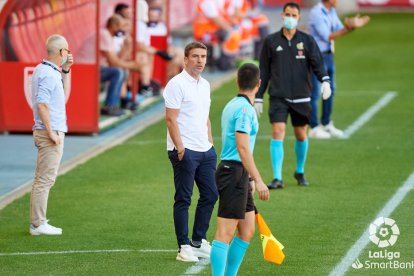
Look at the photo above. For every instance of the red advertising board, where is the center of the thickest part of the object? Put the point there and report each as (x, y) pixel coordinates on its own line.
(15, 98)
(280, 2)
(386, 3)
(181, 13)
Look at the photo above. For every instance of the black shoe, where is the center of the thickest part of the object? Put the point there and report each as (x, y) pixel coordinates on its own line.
(300, 177)
(130, 106)
(112, 111)
(276, 184)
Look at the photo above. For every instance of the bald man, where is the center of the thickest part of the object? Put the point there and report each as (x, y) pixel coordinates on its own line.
(49, 82)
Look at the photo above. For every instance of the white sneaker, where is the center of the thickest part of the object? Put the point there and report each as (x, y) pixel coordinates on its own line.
(331, 129)
(44, 229)
(319, 132)
(186, 254)
(203, 251)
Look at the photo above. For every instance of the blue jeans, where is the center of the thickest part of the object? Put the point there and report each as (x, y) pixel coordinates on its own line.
(316, 91)
(201, 168)
(116, 77)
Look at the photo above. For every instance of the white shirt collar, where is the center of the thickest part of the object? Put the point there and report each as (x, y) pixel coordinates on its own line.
(189, 77)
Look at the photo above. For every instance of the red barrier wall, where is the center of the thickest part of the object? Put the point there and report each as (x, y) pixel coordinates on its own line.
(24, 28)
(16, 113)
(181, 13)
(385, 3)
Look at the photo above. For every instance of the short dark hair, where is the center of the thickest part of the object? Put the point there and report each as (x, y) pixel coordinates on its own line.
(292, 5)
(114, 19)
(248, 76)
(193, 45)
(120, 7)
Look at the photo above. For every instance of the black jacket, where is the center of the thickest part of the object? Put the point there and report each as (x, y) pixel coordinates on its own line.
(289, 65)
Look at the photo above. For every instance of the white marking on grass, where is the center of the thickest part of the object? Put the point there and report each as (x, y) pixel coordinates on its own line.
(198, 267)
(163, 141)
(364, 118)
(86, 251)
(342, 267)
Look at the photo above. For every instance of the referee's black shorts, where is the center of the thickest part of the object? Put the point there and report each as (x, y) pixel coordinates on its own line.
(279, 109)
(235, 193)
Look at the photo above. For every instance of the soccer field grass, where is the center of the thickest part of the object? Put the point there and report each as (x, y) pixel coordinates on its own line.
(122, 199)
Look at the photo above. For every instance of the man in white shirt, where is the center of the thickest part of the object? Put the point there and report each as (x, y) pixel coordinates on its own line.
(191, 152)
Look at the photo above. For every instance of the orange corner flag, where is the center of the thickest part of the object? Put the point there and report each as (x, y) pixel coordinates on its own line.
(272, 248)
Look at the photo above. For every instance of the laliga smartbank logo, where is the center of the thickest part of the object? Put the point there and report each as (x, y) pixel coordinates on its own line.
(384, 233)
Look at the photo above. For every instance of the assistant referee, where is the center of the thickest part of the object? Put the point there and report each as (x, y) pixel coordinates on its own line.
(236, 207)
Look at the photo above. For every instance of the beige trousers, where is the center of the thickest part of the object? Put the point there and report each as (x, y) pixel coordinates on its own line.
(49, 156)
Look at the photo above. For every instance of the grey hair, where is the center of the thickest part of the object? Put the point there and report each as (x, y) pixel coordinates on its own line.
(54, 43)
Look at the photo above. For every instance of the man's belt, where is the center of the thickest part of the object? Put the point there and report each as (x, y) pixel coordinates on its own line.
(303, 100)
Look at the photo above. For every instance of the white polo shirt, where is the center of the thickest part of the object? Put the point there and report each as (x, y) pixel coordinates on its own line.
(192, 97)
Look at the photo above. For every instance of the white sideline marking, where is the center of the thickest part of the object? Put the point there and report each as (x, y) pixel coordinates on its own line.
(86, 251)
(215, 138)
(353, 253)
(197, 268)
(364, 118)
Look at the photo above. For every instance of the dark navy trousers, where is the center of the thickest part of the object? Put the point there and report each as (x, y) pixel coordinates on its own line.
(201, 168)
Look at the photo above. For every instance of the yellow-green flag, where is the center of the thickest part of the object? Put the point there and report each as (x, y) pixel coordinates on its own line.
(272, 248)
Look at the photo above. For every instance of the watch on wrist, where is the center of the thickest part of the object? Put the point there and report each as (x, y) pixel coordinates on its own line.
(65, 72)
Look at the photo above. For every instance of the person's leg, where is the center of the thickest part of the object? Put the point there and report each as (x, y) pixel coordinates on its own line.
(239, 244)
(301, 148)
(116, 77)
(276, 149)
(327, 104)
(48, 160)
(206, 183)
(300, 119)
(146, 65)
(230, 48)
(184, 172)
(316, 91)
(278, 115)
(220, 246)
(176, 64)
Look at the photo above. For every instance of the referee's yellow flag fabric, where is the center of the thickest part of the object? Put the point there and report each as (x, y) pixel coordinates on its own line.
(272, 248)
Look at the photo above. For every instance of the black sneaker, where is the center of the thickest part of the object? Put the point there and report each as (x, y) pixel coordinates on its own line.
(300, 177)
(276, 184)
(112, 111)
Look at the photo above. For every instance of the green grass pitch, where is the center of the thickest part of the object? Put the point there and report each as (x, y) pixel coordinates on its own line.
(123, 198)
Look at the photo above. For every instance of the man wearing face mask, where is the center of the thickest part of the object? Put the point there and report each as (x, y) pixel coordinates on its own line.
(287, 60)
(49, 84)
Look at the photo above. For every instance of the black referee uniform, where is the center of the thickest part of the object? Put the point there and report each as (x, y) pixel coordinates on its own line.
(288, 66)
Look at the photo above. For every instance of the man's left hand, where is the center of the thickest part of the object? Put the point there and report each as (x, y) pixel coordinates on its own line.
(326, 90)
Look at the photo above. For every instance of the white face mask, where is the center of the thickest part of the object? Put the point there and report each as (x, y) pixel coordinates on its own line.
(64, 60)
(290, 23)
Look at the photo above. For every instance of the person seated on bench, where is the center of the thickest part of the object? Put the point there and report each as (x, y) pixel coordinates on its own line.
(212, 24)
(157, 27)
(112, 66)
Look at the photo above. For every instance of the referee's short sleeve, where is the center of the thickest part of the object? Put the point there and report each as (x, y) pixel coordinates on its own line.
(173, 95)
(243, 121)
